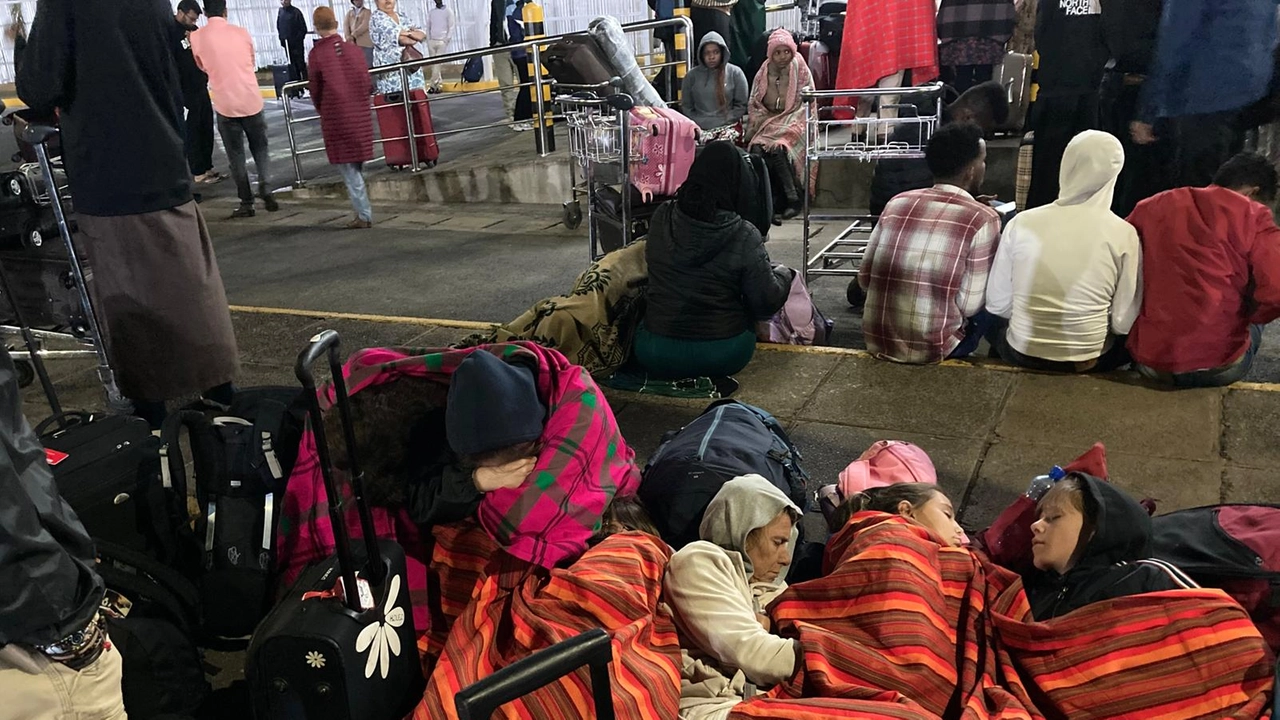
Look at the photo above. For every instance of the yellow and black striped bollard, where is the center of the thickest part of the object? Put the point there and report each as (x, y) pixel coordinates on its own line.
(534, 28)
(682, 48)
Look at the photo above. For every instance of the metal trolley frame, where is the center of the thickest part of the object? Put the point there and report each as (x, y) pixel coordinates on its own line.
(85, 331)
(603, 146)
(868, 141)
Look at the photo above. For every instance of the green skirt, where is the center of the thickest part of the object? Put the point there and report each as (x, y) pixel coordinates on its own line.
(673, 359)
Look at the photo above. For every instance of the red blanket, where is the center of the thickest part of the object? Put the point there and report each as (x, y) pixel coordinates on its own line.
(519, 609)
(904, 628)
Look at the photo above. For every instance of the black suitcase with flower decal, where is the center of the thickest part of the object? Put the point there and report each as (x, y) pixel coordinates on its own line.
(323, 653)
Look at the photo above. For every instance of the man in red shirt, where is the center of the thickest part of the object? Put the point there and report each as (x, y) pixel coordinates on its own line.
(1211, 276)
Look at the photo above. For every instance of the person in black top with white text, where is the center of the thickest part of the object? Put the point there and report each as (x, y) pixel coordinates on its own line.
(195, 95)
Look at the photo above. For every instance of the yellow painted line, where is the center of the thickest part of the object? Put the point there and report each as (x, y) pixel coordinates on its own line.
(769, 347)
(397, 319)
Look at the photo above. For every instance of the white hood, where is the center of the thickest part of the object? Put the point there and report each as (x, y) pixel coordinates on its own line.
(1090, 166)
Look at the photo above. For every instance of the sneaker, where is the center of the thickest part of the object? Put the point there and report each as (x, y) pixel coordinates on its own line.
(243, 211)
(522, 127)
(359, 224)
(209, 178)
(270, 203)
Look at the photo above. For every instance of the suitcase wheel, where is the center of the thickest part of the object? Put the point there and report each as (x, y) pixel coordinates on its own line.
(573, 214)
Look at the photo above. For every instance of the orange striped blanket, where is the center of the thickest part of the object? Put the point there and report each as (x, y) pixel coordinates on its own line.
(518, 609)
(904, 628)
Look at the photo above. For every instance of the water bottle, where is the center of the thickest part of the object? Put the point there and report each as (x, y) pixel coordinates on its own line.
(1041, 484)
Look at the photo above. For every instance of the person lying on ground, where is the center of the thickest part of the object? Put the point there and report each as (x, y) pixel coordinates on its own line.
(926, 263)
(715, 92)
(718, 589)
(1067, 275)
(1211, 276)
(1092, 542)
(710, 277)
(985, 105)
(886, 462)
(922, 503)
(625, 514)
(776, 120)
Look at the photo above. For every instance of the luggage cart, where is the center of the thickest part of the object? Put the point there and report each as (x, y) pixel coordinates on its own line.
(78, 323)
(603, 146)
(860, 139)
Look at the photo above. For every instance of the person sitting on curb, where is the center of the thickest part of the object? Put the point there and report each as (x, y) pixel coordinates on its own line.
(719, 588)
(710, 277)
(926, 263)
(715, 92)
(1211, 276)
(1092, 542)
(1067, 276)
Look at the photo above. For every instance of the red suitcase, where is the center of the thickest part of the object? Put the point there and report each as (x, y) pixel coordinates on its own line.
(391, 124)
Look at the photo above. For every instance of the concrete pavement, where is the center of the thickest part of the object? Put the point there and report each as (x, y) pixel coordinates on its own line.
(442, 272)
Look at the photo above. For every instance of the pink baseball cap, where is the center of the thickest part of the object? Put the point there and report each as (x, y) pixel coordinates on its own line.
(887, 462)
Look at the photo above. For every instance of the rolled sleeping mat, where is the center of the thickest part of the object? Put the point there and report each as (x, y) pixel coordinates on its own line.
(622, 59)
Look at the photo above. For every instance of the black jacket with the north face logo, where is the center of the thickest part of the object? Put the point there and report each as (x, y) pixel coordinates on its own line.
(1072, 46)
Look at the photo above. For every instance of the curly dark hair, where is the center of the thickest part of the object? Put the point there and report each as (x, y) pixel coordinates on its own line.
(388, 419)
(952, 148)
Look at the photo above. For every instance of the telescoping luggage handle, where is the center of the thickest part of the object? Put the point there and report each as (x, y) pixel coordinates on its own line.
(326, 342)
(592, 648)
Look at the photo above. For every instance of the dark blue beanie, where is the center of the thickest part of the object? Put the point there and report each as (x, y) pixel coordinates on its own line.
(492, 404)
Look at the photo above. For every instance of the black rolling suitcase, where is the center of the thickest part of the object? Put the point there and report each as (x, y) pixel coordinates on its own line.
(577, 60)
(323, 653)
(592, 648)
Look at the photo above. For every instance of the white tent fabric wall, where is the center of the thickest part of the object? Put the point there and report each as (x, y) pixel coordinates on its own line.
(259, 18)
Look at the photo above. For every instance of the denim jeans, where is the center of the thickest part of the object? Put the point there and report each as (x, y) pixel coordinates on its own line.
(1213, 377)
(352, 176)
(233, 132)
(984, 324)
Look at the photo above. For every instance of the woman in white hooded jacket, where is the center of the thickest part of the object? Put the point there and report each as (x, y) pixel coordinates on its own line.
(718, 588)
(1068, 276)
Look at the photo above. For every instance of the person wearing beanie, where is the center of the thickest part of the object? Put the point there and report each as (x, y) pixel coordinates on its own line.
(493, 420)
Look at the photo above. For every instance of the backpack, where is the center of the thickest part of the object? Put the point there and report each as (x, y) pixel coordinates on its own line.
(152, 613)
(242, 455)
(729, 439)
(473, 71)
(798, 322)
(1235, 548)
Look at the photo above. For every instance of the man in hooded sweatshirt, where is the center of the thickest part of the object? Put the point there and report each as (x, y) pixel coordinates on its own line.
(1211, 273)
(1068, 275)
(1092, 542)
(719, 588)
(715, 92)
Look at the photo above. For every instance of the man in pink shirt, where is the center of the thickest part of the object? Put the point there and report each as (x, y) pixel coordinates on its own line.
(225, 53)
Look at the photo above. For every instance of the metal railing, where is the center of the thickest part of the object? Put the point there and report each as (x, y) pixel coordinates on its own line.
(405, 69)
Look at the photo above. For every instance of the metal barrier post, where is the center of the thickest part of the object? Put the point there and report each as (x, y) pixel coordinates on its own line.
(293, 143)
(535, 29)
(682, 48)
(408, 120)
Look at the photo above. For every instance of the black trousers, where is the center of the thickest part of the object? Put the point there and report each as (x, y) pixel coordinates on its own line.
(1055, 121)
(199, 137)
(963, 77)
(706, 20)
(1148, 169)
(297, 60)
(1203, 143)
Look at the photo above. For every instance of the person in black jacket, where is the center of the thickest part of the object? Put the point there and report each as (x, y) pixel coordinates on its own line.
(504, 67)
(1087, 546)
(1131, 27)
(710, 279)
(108, 68)
(55, 660)
(291, 25)
(195, 95)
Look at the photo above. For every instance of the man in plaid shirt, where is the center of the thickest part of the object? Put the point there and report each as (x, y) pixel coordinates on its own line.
(925, 270)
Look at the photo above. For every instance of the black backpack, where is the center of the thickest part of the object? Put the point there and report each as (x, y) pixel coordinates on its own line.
(162, 667)
(242, 456)
(729, 439)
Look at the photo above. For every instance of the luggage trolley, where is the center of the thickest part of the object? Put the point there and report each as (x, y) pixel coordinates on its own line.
(60, 308)
(603, 145)
(861, 139)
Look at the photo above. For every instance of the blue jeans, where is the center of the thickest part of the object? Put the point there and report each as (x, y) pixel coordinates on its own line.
(984, 324)
(356, 189)
(1213, 377)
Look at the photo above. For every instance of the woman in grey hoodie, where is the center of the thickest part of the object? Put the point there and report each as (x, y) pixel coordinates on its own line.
(715, 92)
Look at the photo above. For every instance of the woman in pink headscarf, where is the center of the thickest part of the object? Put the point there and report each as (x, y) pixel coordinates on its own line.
(775, 120)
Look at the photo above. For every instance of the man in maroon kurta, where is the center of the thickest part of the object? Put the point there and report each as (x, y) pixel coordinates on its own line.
(340, 88)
